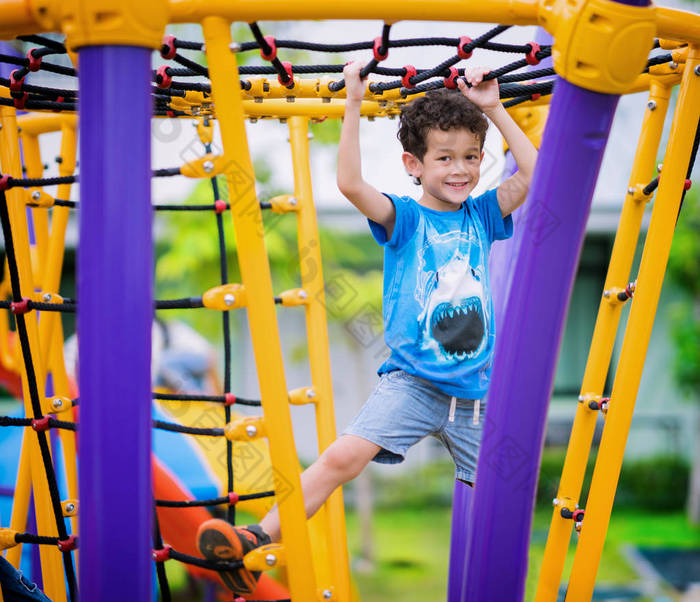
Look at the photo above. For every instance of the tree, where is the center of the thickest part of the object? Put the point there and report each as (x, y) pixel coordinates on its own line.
(684, 272)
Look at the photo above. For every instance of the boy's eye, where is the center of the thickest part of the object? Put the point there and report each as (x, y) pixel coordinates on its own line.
(444, 158)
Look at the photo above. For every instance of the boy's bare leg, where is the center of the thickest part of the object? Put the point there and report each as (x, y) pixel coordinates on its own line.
(341, 462)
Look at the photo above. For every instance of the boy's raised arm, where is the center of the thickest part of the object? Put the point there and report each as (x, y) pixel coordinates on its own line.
(372, 203)
(513, 191)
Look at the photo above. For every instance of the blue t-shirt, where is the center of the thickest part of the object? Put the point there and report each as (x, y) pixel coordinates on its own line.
(437, 306)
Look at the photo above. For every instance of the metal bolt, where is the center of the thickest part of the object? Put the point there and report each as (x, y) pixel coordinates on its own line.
(229, 299)
(310, 393)
(310, 136)
(291, 98)
(630, 190)
(208, 166)
(70, 508)
(251, 431)
(293, 202)
(36, 195)
(651, 105)
(204, 47)
(302, 294)
(327, 594)
(606, 294)
(697, 70)
(57, 403)
(555, 501)
(659, 167)
(46, 297)
(327, 99)
(673, 65)
(581, 398)
(270, 560)
(234, 47)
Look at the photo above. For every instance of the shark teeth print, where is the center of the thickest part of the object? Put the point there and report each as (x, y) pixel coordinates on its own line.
(459, 329)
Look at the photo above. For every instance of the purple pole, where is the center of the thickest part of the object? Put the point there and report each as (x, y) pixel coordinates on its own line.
(501, 268)
(560, 196)
(115, 297)
(461, 509)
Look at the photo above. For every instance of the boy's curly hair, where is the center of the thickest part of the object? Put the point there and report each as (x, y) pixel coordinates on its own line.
(443, 109)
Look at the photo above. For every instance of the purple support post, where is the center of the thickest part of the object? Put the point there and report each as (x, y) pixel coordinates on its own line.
(461, 511)
(501, 271)
(559, 199)
(115, 300)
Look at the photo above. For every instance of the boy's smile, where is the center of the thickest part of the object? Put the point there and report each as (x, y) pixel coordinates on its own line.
(450, 168)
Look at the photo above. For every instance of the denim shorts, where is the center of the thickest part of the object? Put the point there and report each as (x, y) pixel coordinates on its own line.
(403, 409)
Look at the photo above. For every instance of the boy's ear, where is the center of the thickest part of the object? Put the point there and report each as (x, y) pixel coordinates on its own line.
(412, 164)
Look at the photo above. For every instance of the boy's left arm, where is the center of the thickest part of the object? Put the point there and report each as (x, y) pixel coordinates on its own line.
(512, 191)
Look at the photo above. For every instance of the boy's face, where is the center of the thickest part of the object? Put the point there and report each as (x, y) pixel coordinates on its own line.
(450, 168)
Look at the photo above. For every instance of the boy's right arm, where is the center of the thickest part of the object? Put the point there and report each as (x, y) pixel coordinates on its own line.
(372, 203)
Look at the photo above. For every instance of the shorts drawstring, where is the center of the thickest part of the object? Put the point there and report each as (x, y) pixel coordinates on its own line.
(477, 408)
(453, 408)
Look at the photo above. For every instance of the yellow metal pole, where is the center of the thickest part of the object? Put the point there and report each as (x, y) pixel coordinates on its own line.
(40, 218)
(637, 334)
(510, 12)
(51, 563)
(317, 334)
(255, 273)
(602, 345)
(20, 500)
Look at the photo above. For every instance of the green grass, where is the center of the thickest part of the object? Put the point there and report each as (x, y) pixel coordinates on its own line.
(412, 550)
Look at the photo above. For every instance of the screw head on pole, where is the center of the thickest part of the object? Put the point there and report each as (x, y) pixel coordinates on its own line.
(57, 403)
(229, 299)
(327, 594)
(697, 70)
(251, 430)
(46, 297)
(630, 190)
(673, 65)
(651, 105)
(208, 166)
(70, 507)
(36, 195)
(270, 559)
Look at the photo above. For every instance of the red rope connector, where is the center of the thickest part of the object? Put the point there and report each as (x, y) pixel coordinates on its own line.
(687, 184)
(535, 96)
(229, 398)
(406, 79)
(531, 57)
(34, 62)
(20, 101)
(20, 307)
(15, 84)
(162, 78)
(290, 76)
(463, 41)
(451, 80)
(220, 207)
(162, 554)
(168, 50)
(66, 545)
(170, 113)
(377, 47)
(272, 55)
(4, 182)
(40, 424)
(232, 498)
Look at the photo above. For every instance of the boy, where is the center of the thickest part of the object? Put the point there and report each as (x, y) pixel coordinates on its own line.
(438, 312)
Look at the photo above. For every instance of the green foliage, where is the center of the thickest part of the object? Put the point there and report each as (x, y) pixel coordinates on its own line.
(684, 272)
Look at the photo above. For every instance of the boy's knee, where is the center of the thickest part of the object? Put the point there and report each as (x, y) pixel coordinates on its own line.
(345, 459)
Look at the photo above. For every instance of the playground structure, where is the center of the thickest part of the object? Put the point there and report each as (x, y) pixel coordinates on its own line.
(601, 49)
